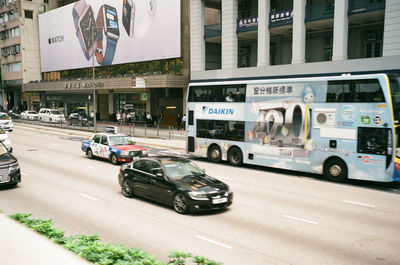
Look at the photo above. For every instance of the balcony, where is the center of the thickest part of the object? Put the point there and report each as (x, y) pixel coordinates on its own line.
(281, 18)
(213, 30)
(319, 11)
(247, 24)
(364, 6)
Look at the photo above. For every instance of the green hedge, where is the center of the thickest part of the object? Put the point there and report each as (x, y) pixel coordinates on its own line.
(91, 249)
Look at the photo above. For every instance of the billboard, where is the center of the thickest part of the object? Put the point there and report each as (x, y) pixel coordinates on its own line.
(109, 32)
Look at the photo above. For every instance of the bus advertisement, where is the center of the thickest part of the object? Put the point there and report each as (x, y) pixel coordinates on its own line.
(345, 127)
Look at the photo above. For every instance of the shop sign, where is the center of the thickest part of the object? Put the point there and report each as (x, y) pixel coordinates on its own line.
(138, 82)
(143, 96)
(87, 84)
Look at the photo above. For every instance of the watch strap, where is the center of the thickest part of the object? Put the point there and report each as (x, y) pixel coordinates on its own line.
(78, 10)
(105, 55)
(141, 30)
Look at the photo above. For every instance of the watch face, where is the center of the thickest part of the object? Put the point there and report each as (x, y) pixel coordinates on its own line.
(128, 11)
(111, 20)
(87, 26)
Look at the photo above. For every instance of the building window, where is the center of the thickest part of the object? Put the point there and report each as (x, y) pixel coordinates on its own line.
(28, 14)
(14, 67)
(46, 1)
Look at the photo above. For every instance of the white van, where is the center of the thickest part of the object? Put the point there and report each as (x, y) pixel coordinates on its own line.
(51, 115)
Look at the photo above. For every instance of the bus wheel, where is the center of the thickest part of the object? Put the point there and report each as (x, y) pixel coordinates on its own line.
(214, 154)
(335, 169)
(235, 156)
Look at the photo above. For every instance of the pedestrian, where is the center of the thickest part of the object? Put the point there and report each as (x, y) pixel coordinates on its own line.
(184, 122)
(160, 120)
(149, 118)
(128, 118)
(92, 115)
(118, 117)
(178, 122)
(123, 118)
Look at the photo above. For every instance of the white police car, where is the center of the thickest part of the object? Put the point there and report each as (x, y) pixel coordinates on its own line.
(118, 148)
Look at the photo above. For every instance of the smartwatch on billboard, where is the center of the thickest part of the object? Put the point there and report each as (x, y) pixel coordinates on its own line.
(128, 16)
(107, 25)
(137, 31)
(85, 26)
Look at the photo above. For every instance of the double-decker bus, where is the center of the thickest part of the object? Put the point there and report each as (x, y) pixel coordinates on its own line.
(345, 126)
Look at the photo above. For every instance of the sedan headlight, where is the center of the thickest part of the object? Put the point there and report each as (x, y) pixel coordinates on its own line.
(144, 152)
(125, 153)
(198, 195)
(13, 167)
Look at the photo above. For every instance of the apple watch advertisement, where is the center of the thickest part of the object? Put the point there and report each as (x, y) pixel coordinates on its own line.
(106, 32)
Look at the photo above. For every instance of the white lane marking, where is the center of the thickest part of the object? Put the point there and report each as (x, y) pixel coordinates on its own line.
(91, 167)
(42, 155)
(360, 203)
(214, 242)
(87, 196)
(24, 174)
(220, 177)
(300, 219)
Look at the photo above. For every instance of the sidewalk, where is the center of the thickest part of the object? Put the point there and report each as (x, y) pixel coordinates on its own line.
(175, 143)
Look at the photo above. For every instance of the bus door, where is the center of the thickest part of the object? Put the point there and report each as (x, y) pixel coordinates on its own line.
(374, 153)
(190, 131)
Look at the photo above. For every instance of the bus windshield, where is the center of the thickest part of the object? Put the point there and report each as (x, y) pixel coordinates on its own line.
(395, 90)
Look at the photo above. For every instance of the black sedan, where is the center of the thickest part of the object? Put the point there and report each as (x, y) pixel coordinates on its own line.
(174, 181)
(10, 173)
(80, 119)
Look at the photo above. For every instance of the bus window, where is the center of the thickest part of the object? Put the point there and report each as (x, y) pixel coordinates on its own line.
(364, 90)
(224, 130)
(395, 90)
(373, 141)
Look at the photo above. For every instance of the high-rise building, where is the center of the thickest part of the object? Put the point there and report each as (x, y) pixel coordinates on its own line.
(233, 39)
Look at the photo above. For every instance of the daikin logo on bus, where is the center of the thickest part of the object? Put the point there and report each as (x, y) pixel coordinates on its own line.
(220, 111)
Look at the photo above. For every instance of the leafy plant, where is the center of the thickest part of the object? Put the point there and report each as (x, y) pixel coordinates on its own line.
(93, 250)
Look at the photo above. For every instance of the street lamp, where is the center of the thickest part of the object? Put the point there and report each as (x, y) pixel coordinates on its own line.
(94, 90)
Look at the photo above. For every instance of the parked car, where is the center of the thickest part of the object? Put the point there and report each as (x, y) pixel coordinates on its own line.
(6, 122)
(10, 173)
(29, 115)
(80, 119)
(174, 181)
(51, 115)
(14, 114)
(5, 139)
(117, 148)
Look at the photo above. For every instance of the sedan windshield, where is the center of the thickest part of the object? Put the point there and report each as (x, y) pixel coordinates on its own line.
(32, 112)
(5, 117)
(120, 140)
(55, 112)
(180, 169)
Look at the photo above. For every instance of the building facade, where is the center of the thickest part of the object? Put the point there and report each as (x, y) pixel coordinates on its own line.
(19, 45)
(275, 38)
(158, 87)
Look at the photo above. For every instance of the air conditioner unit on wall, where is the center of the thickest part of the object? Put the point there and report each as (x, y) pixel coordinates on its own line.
(324, 118)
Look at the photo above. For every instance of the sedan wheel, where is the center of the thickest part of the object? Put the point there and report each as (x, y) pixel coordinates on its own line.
(127, 190)
(89, 153)
(180, 204)
(114, 159)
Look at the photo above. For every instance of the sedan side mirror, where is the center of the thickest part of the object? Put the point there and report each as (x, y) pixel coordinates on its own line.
(159, 175)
